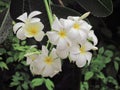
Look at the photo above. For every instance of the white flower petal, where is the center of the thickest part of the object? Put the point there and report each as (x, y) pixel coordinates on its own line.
(88, 46)
(29, 61)
(81, 61)
(63, 43)
(23, 17)
(17, 26)
(48, 71)
(84, 25)
(20, 34)
(67, 24)
(36, 68)
(57, 67)
(88, 57)
(74, 18)
(39, 36)
(74, 51)
(63, 53)
(44, 50)
(57, 64)
(73, 34)
(56, 25)
(53, 53)
(73, 57)
(53, 37)
(34, 20)
(34, 13)
(92, 37)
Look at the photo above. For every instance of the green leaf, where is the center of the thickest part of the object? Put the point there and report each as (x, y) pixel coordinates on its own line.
(14, 84)
(49, 84)
(19, 88)
(3, 65)
(9, 60)
(99, 8)
(107, 59)
(17, 77)
(88, 75)
(116, 65)
(1, 58)
(108, 53)
(37, 82)
(110, 79)
(86, 85)
(25, 86)
(2, 50)
(101, 50)
(63, 12)
(21, 55)
(117, 58)
(82, 86)
(101, 75)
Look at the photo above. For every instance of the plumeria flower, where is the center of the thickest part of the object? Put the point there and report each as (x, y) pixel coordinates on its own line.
(92, 37)
(49, 64)
(81, 53)
(79, 30)
(59, 35)
(29, 27)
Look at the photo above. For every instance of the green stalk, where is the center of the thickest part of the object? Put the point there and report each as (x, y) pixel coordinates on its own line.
(50, 16)
(49, 12)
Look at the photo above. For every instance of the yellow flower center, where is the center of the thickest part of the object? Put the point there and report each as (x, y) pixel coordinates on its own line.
(33, 31)
(48, 60)
(82, 49)
(76, 26)
(62, 33)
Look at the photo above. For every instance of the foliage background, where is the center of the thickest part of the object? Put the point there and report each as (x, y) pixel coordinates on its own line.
(104, 70)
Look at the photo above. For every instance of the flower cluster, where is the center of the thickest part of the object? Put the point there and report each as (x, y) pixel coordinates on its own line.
(72, 37)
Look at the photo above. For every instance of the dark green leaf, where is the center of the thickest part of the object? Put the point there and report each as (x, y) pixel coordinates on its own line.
(107, 59)
(63, 12)
(25, 86)
(64, 2)
(108, 53)
(19, 88)
(101, 50)
(9, 60)
(14, 84)
(2, 51)
(99, 8)
(116, 65)
(101, 75)
(117, 58)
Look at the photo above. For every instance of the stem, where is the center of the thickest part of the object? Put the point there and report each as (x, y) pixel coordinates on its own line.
(49, 12)
(50, 16)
